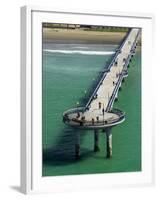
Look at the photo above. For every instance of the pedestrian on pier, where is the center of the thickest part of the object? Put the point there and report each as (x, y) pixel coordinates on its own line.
(100, 105)
(83, 118)
(78, 115)
(97, 118)
(92, 121)
(103, 111)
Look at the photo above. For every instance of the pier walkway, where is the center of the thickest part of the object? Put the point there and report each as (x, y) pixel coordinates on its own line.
(98, 111)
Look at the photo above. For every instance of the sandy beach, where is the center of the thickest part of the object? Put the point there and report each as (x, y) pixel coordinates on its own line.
(81, 36)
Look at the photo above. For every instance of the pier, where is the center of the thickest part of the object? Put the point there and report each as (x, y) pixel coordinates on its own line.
(98, 113)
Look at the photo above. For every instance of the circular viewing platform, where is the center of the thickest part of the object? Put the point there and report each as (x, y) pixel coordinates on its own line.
(98, 119)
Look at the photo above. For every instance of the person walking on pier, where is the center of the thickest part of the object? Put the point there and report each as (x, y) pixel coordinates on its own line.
(100, 105)
(92, 121)
(103, 113)
(97, 119)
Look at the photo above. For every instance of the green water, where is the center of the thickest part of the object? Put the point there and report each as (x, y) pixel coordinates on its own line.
(65, 79)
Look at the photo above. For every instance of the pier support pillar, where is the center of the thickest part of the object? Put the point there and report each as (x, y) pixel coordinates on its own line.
(77, 146)
(108, 143)
(96, 141)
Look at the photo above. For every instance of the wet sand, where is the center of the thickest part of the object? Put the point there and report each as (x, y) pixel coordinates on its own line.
(81, 36)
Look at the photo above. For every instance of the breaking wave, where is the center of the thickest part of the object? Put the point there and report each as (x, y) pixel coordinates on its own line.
(80, 52)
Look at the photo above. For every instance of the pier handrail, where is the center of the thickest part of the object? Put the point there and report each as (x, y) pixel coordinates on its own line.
(139, 32)
(101, 123)
(114, 92)
(132, 48)
(121, 116)
(117, 111)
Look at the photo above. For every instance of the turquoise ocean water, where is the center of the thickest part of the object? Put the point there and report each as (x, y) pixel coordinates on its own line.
(70, 72)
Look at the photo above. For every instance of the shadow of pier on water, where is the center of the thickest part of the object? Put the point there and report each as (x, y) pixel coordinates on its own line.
(63, 151)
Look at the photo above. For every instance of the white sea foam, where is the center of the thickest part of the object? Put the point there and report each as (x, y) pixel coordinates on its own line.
(80, 47)
(80, 52)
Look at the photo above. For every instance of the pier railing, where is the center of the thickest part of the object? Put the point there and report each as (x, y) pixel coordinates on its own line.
(135, 41)
(71, 111)
(112, 98)
(103, 123)
(100, 123)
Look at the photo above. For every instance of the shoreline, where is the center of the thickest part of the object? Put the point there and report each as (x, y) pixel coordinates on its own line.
(81, 36)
